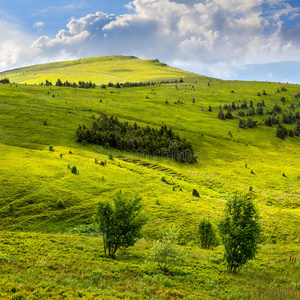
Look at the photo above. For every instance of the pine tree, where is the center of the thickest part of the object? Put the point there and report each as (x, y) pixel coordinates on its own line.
(221, 115)
(228, 114)
(281, 131)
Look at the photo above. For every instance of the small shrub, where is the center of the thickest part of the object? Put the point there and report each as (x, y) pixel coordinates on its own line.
(11, 207)
(207, 235)
(165, 252)
(195, 193)
(60, 204)
(74, 170)
(111, 157)
(45, 123)
(51, 148)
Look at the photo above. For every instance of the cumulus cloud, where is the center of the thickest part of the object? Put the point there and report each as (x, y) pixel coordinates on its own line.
(14, 46)
(211, 34)
(38, 24)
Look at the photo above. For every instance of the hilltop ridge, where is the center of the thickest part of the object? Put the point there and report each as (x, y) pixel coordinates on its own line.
(99, 70)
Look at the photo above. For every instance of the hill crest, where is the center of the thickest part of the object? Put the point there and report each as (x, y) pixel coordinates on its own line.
(99, 70)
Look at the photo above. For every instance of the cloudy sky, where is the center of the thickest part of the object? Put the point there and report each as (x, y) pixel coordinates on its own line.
(229, 39)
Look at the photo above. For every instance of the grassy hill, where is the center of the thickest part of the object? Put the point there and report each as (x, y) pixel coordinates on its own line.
(230, 160)
(99, 70)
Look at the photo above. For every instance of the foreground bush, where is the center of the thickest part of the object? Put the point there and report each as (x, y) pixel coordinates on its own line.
(240, 232)
(207, 234)
(166, 253)
(120, 222)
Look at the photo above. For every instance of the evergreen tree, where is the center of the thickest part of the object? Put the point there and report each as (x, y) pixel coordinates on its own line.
(58, 83)
(297, 128)
(242, 123)
(228, 114)
(221, 115)
(281, 131)
(260, 111)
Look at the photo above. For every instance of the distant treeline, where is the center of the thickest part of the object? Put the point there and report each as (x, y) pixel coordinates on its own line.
(109, 131)
(5, 80)
(91, 85)
(80, 84)
(133, 84)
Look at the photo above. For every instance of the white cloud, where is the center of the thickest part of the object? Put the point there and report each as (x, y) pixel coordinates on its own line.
(213, 34)
(14, 46)
(38, 24)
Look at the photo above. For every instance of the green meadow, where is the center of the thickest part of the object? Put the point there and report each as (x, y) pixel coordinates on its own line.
(39, 259)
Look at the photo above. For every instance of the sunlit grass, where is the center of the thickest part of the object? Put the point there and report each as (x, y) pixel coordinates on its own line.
(33, 179)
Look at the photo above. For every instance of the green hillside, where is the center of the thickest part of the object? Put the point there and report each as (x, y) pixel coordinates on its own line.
(251, 161)
(99, 70)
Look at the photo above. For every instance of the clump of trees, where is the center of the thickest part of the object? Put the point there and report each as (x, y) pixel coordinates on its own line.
(249, 123)
(4, 81)
(109, 131)
(271, 120)
(80, 84)
(281, 131)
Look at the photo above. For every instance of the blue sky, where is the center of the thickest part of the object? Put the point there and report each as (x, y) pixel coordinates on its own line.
(229, 39)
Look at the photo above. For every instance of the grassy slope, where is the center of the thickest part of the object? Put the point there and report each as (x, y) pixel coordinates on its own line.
(40, 266)
(32, 178)
(98, 69)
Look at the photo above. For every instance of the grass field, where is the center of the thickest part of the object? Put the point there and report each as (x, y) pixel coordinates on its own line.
(230, 160)
(100, 70)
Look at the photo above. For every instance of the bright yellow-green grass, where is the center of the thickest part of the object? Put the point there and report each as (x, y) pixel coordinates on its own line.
(33, 179)
(48, 266)
(99, 70)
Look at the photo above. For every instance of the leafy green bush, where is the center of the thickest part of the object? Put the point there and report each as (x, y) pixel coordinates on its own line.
(240, 232)
(165, 252)
(60, 204)
(74, 170)
(195, 193)
(207, 234)
(120, 222)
